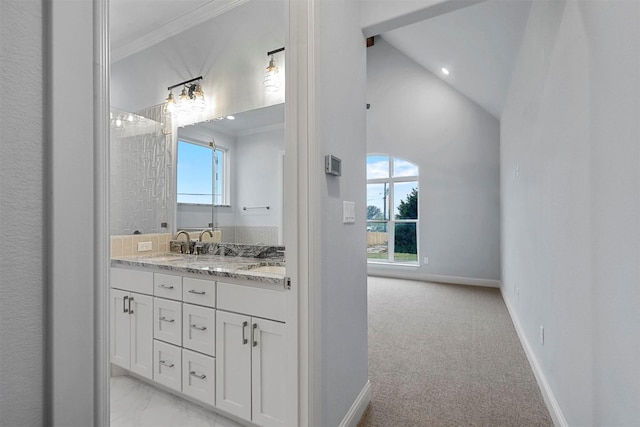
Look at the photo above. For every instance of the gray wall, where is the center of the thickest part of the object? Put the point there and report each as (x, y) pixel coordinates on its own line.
(340, 100)
(22, 206)
(571, 203)
(47, 172)
(455, 143)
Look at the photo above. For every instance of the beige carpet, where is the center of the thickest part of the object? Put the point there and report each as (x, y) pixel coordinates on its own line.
(446, 355)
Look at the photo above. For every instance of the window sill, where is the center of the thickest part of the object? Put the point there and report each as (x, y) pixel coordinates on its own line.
(392, 264)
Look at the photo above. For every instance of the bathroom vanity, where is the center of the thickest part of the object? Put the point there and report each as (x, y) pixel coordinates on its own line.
(211, 329)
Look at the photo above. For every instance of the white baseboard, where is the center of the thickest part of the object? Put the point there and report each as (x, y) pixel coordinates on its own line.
(357, 409)
(471, 281)
(545, 389)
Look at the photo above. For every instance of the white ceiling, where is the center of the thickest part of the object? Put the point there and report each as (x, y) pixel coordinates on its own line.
(478, 44)
(137, 24)
(248, 122)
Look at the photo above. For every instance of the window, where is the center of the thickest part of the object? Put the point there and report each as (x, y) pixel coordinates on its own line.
(200, 174)
(392, 209)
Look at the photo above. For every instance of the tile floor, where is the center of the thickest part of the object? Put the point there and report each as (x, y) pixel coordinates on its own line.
(137, 404)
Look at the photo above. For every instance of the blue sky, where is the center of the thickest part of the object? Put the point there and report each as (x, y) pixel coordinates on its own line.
(194, 173)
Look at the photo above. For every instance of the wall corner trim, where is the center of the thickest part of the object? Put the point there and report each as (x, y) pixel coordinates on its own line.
(358, 407)
(547, 394)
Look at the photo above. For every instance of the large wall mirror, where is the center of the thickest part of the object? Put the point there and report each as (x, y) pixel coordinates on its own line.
(229, 176)
(238, 191)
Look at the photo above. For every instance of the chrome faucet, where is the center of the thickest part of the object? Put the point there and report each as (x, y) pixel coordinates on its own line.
(188, 241)
(206, 231)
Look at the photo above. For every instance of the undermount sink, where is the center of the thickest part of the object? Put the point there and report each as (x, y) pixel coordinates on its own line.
(277, 269)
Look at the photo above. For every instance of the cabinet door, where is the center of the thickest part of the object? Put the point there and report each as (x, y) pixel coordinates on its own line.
(120, 336)
(198, 376)
(199, 329)
(167, 362)
(141, 313)
(167, 321)
(268, 371)
(233, 364)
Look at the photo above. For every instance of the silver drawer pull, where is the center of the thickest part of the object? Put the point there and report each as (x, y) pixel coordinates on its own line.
(164, 319)
(193, 291)
(167, 364)
(200, 328)
(166, 286)
(194, 374)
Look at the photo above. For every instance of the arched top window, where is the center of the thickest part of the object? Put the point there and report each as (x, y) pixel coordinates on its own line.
(384, 166)
(392, 209)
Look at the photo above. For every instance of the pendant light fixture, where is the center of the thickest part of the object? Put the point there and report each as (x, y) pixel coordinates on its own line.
(272, 78)
(191, 99)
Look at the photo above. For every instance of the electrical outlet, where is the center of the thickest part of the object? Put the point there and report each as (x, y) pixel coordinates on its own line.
(541, 335)
(426, 260)
(144, 246)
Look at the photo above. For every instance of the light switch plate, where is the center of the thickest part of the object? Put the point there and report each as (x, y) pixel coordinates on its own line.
(348, 212)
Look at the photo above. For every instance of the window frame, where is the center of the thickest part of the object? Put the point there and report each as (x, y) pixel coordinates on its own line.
(392, 221)
(225, 199)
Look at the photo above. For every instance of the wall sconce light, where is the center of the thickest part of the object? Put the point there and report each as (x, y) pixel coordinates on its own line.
(191, 99)
(271, 78)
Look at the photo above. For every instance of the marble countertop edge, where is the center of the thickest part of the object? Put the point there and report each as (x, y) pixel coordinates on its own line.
(207, 265)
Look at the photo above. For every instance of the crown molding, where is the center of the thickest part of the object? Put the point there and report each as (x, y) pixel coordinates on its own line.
(174, 27)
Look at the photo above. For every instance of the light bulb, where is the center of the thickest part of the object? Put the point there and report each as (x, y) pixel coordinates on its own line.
(271, 77)
(170, 105)
(182, 106)
(198, 102)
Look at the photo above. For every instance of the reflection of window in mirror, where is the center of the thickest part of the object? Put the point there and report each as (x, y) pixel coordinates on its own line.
(200, 175)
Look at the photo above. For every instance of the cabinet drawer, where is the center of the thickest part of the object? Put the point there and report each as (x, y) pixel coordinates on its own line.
(198, 291)
(266, 303)
(199, 328)
(167, 320)
(167, 362)
(198, 376)
(167, 286)
(132, 280)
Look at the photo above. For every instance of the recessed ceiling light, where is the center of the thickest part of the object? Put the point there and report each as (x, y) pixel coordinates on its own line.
(230, 118)
(445, 71)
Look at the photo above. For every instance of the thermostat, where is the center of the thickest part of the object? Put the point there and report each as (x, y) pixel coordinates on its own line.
(332, 165)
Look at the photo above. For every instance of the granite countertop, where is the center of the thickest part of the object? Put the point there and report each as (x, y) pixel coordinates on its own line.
(254, 269)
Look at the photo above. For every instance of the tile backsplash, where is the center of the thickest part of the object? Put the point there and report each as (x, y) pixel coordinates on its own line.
(127, 245)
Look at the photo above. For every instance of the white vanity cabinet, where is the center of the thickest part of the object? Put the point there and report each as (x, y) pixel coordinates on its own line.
(184, 330)
(220, 343)
(250, 365)
(131, 314)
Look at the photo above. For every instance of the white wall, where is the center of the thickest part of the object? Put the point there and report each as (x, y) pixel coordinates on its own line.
(455, 143)
(571, 203)
(340, 101)
(22, 207)
(229, 51)
(47, 173)
(258, 178)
